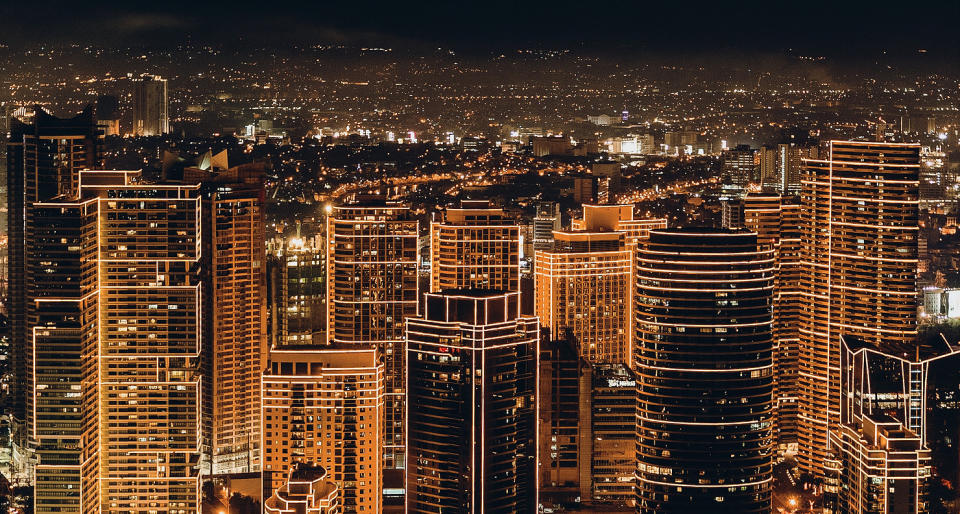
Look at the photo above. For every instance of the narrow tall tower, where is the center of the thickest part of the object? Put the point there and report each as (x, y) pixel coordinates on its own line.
(371, 289)
(776, 220)
(63, 330)
(472, 377)
(859, 218)
(43, 162)
(705, 372)
(236, 255)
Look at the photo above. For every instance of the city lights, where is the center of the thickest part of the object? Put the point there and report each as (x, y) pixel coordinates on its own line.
(343, 258)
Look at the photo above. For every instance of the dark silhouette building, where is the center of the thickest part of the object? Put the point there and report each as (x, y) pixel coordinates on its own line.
(150, 116)
(43, 162)
(705, 372)
(471, 387)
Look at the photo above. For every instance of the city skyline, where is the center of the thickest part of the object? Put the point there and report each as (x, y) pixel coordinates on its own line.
(538, 257)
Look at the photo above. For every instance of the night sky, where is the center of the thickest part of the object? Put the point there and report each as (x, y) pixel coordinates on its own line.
(621, 28)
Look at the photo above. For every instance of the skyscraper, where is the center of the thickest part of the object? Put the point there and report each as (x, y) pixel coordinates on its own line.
(739, 166)
(937, 182)
(238, 338)
(474, 246)
(562, 465)
(731, 213)
(297, 303)
(585, 284)
(372, 288)
(43, 162)
(471, 439)
(883, 462)
(776, 220)
(150, 116)
(619, 218)
(325, 405)
(859, 217)
(546, 220)
(587, 429)
(609, 428)
(4, 214)
(150, 296)
(886, 467)
(705, 372)
(62, 271)
(769, 174)
(116, 333)
(780, 164)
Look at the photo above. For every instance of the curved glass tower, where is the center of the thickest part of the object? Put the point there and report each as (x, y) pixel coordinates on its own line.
(703, 354)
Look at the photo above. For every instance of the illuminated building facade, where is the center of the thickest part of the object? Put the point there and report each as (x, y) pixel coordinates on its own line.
(149, 350)
(738, 165)
(585, 284)
(474, 246)
(608, 426)
(619, 218)
(587, 429)
(731, 213)
(776, 220)
(43, 162)
(372, 288)
(769, 178)
(238, 343)
(150, 104)
(859, 225)
(116, 333)
(4, 218)
(639, 229)
(298, 308)
(884, 464)
(546, 220)
(885, 467)
(325, 405)
(63, 271)
(472, 375)
(780, 165)
(308, 490)
(704, 329)
(937, 180)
